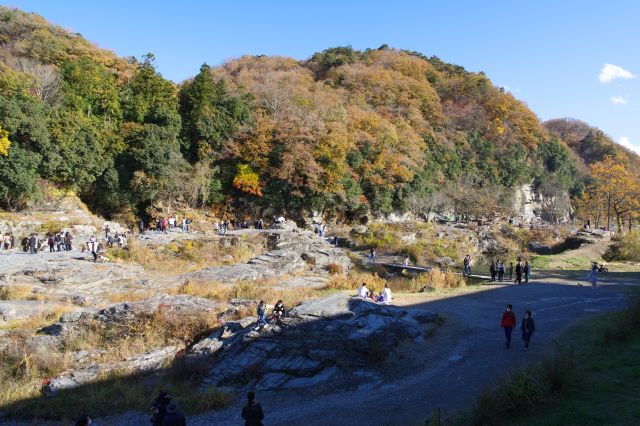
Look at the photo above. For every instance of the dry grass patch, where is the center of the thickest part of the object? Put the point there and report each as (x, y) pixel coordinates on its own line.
(188, 255)
(129, 296)
(248, 290)
(24, 367)
(433, 280)
(17, 292)
(353, 280)
(42, 318)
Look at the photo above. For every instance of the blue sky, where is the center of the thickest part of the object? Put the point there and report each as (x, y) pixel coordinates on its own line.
(550, 54)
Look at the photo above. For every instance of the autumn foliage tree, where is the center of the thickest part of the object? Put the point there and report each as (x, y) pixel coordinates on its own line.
(619, 188)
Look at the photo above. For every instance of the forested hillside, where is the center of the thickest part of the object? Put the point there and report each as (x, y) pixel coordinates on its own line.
(346, 132)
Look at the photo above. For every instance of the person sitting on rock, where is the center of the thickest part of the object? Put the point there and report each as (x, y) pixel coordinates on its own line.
(363, 291)
(262, 314)
(372, 295)
(278, 311)
(386, 295)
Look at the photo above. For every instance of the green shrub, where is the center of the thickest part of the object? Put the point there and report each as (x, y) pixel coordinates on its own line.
(627, 247)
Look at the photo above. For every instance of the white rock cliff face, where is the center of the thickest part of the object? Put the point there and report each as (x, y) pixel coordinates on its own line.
(529, 205)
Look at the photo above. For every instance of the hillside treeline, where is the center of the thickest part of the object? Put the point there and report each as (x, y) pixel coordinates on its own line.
(346, 132)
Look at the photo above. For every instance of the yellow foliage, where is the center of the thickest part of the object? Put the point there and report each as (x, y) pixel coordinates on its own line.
(4, 142)
(246, 180)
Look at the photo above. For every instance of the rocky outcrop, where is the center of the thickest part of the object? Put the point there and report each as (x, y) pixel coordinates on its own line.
(531, 206)
(291, 250)
(538, 247)
(139, 364)
(317, 341)
(123, 313)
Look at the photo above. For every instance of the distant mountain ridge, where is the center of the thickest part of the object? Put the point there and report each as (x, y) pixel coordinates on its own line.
(345, 132)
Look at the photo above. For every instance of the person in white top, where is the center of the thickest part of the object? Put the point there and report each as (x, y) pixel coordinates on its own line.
(363, 291)
(386, 295)
(406, 261)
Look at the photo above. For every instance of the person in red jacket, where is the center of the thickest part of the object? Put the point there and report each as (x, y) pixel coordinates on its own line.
(508, 322)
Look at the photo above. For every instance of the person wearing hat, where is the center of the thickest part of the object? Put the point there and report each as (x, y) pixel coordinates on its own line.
(508, 322)
(252, 412)
(173, 416)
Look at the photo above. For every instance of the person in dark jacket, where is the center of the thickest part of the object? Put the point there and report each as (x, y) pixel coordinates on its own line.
(83, 421)
(526, 270)
(510, 271)
(519, 272)
(278, 311)
(159, 408)
(252, 412)
(492, 270)
(508, 322)
(173, 416)
(528, 327)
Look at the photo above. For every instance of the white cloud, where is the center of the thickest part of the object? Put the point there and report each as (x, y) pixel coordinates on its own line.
(619, 100)
(624, 141)
(610, 72)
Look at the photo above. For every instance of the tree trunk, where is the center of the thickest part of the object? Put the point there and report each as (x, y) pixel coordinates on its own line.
(619, 223)
(608, 212)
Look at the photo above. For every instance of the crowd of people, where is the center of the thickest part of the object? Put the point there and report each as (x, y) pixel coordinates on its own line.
(220, 227)
(164, 224)
(384, 296)
(499, 270)
(56, 241)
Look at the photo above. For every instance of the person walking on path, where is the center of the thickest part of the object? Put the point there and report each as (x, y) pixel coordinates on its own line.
(518, 272)
(173, 416)
(52, 243)
(493, 271)
(508, 322)
(372, 255)
(510, 271)
(252, 412)
(466, 265)
(527, 271)
(159, 408)
(32, 244)
(501, 271)
(593, 275)
(528, 327)
(68, 241)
